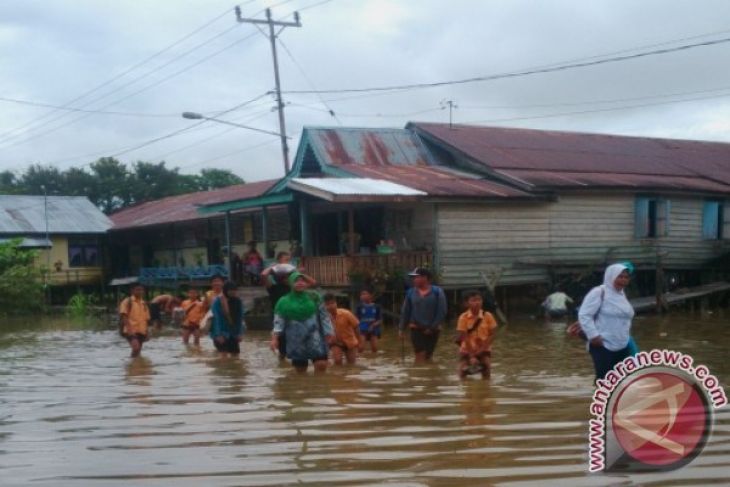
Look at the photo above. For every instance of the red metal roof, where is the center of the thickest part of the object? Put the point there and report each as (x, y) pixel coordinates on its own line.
(436, 181)
(184, 207)
(567, 159)
(399, 156)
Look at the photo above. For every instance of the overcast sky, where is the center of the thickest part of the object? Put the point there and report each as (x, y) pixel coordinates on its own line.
(54, 51)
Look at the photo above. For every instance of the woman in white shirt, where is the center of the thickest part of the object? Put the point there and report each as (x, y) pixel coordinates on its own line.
(605, 318)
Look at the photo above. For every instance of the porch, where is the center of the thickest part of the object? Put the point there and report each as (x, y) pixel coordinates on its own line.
(348, 270)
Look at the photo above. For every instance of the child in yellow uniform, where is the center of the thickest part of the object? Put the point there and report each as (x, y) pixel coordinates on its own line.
(134, 318)
(476, 329)
(347, 331)
(194, 310)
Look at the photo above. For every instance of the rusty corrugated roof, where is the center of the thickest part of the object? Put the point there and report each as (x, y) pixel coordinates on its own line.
(399, 156)
(546, 158)
(184, 207)
(26, 215)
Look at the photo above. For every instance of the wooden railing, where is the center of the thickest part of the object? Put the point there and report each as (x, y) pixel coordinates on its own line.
(334, 270)
(67, 277)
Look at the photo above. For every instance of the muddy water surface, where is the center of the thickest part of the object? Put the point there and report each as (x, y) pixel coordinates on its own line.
(75, 410)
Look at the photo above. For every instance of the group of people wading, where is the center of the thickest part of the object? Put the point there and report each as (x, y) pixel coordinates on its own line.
(311, 328)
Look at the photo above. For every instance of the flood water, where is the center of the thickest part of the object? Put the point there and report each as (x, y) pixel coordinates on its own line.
(76, 410)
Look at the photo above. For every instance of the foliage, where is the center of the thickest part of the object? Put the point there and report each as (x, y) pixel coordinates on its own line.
(379, 279)
(111, 185)
(20, 284)
(79, 304)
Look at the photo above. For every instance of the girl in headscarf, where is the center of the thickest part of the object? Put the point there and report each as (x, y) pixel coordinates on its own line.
(605, 318)
(228, 326)
(300, 317)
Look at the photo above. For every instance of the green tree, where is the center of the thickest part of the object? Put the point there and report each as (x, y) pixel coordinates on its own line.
(20, 284)
(217, 178)
(37, 176)
(78, 182)
(152, 181)
(113, 184)
(8, 182)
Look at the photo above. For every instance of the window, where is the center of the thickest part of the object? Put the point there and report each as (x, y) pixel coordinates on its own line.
(652, 217)
(83, 252)
(713, 220)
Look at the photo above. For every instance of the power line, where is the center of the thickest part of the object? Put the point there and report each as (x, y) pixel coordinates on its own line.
(99, 112)
(211, 137)
(599, 110)
(228, 154)
(125, 72)
(150, 86)
(125, 150)
(308, 80)
(516, 74)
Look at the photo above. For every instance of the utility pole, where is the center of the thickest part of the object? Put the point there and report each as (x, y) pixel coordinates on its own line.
(451, 104)
(272, 38)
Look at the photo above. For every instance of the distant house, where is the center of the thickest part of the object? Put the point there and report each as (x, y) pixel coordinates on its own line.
(171, 233)
(67, 231)
(527, 205)
(524, 204)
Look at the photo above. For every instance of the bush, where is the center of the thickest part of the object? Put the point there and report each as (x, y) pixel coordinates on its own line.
(21, 290)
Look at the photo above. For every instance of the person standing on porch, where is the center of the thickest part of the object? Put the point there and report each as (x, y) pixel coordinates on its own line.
(423, 312)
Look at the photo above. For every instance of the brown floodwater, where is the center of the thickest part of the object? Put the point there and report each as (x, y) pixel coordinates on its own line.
(76, 410)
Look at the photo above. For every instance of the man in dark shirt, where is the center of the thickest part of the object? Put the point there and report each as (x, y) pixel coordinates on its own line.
(423, 312)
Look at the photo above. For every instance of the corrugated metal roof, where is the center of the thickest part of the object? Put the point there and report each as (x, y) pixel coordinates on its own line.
(26, 215)
(184, 207)
(369, 147)
(399, 156)
(30, 243)
(355, 186)
(551, 158)
(440, 182)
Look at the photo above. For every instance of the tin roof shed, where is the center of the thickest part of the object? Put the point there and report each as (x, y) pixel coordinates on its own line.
(26, 215)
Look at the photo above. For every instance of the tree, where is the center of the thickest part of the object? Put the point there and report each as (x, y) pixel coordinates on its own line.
(217, 178)
(37, 176)
(78, 182)
(113, 183)
(8, 182)
(152, 181)
(20, 285)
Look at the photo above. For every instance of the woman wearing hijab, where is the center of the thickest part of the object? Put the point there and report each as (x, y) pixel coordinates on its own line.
(605, 318)
(227, 327)
(300, 317)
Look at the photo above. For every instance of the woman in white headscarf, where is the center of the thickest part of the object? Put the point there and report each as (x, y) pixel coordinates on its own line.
(605, 318)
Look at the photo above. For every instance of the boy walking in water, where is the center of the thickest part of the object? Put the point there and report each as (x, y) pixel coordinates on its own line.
(370, 318)
(347, 332)
(476, 329)
(134, 318)
(194, 310)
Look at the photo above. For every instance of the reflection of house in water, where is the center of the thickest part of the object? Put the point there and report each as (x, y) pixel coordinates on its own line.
(70, 255)
(528, 205)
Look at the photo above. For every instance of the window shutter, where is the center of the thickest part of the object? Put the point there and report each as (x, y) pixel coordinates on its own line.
(666, 215)
(641, 217)
(709, 219)
(726, 221)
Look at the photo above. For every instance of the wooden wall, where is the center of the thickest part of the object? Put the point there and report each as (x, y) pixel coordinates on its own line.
(576, 231)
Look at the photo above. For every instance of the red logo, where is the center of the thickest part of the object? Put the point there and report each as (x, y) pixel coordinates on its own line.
(661, 420)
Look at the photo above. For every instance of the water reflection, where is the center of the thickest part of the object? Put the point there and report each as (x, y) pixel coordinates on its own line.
(75, 410)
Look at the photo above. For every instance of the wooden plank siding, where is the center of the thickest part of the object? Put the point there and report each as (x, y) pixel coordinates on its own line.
(577, 230)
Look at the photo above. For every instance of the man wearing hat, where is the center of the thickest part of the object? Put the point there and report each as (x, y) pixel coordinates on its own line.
(424, 310)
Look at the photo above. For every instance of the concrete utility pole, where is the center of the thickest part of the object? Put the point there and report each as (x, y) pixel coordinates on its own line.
(272, 38)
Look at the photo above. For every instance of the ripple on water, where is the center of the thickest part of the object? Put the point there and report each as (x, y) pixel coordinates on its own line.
(74, 410)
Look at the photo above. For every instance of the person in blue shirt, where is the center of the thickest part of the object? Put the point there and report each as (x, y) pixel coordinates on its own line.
(228, 326)
(370, 316)
(423, 313)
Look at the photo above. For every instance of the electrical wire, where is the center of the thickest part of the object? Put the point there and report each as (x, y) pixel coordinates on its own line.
(124, 73)
(516, 74)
